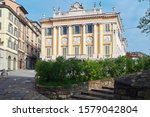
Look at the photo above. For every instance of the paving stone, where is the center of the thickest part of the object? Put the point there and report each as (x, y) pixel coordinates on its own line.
(19, 86)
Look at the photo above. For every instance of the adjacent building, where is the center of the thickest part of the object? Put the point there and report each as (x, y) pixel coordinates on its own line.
(82, 34)
(20, 38)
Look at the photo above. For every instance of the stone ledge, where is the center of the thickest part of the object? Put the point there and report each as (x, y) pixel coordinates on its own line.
(65, 92)
(135, 86)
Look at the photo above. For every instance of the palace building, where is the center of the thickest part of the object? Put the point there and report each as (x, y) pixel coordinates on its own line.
(20, 38)
(82, 34)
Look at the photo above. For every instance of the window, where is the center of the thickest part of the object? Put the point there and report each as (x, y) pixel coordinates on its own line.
(15, 45)
(15, 32)
(76, 51)
(89, 28)
(0, 13)
(9, 43)
(89, 50)
(107, 51)
(16, 22)
(64, 30)
(107, 27)
(0, 25)
(64, 52)
(19, 44)
(48, 31)
(77, 29)
(10, 17)
(49, 52)
(10, 28)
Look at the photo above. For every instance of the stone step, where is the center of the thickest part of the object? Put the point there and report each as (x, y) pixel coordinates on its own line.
(85, 97)
(98, 95)
(110, 88)
(106, 91)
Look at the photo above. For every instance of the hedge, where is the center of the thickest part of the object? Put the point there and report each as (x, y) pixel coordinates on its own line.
(75, 70)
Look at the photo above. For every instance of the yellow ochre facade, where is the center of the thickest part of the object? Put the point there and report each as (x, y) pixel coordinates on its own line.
(82, 34)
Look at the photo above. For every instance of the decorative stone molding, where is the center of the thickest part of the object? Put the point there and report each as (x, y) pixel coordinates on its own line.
(107, 38)
(76, 40)
(64, 41)
(48, 41)
(89, 40)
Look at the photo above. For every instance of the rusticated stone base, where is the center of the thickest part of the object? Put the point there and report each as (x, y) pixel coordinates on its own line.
(60, 92)
(135, 86)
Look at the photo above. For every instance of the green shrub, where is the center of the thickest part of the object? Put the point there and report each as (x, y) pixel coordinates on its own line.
(73, 70)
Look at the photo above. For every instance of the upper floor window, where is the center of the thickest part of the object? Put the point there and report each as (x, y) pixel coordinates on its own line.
(64, 30)
(10, 28)
(15, 32)
(76, 29)
(10, 16)
(89, 28)
(48, 31)
(107, 27)
(16, 21)
(9, 43)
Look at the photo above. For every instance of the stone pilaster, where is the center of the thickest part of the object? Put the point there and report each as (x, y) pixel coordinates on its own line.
(59, 41)
(69, 40)
(54, 42)
(84, 40)
(101, 40)
(95, 41)
(43, 44)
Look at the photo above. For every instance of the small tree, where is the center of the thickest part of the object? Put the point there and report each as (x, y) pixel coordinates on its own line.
(144, 23)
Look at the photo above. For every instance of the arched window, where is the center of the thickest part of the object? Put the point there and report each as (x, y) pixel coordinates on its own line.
(14, 64)
(9, 63)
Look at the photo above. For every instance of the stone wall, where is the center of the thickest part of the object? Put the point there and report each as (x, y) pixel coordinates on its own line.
(135, 86)
(98, 84)
(61, 92)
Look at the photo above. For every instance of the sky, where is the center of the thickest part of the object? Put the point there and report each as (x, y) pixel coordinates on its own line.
(130, 10)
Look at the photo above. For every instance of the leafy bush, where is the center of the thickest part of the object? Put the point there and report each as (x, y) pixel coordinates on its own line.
(74, 70)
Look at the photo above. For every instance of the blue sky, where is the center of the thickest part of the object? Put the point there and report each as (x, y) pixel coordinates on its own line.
(131, 11)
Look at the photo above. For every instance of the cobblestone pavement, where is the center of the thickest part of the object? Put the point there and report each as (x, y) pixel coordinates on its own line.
(19, 85)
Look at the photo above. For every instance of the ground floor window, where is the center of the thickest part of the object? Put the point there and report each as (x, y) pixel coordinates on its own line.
(14, 64)
(9, 63)
(90, 51)
(49, 51)
(64, 52)
(107, 51)
(76, 51)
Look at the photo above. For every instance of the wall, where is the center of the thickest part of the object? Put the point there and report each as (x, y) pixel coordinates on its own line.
(135, 86)
(61, 92)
